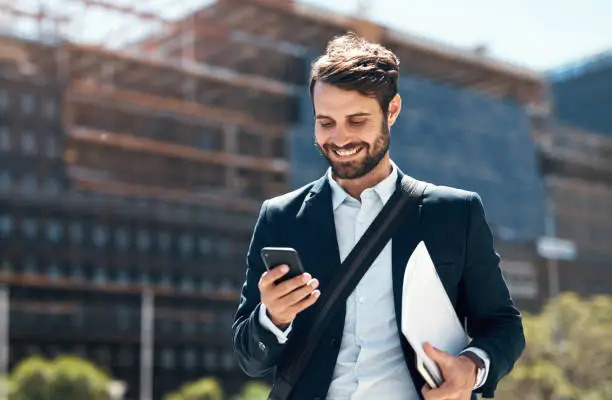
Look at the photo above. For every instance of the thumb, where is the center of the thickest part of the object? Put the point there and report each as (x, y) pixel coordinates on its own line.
(441, 357)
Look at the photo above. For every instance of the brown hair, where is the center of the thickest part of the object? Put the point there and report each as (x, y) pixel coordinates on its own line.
(352, 63)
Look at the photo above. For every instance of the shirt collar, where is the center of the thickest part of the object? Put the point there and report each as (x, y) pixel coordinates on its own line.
(384, 189)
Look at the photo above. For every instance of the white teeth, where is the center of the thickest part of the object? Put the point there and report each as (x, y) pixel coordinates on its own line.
(345, 153)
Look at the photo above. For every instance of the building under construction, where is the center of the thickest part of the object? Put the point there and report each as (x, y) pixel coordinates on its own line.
(141, 168)
(583, 93)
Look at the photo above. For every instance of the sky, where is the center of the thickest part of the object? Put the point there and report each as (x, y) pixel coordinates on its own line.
(537, 34)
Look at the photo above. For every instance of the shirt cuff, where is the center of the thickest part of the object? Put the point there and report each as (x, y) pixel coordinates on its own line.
(265, 321)
(481, 378)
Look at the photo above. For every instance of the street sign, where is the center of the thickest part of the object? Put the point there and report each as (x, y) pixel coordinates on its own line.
(553, 248)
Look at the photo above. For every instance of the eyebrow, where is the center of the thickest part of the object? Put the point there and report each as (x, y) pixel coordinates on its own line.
(359, 114)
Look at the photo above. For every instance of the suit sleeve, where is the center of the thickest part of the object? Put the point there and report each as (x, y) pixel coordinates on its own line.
(256, 348)
(493, 321)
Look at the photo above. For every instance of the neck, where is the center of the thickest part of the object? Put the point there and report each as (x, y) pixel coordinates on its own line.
(355, 187)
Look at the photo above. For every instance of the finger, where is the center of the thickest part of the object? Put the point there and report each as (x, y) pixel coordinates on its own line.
(427, 392)
(441, 357)
(290, 285)
(270, 276)
(444, 392)
(305, 303)
(299, 294)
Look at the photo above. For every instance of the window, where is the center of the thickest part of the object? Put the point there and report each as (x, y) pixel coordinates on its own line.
(76, 232)
(28, 183)
(100, 236)
(123, 278)
(29, 227)
(6, 267)
(125, 358)
(187, 284)
(28, 143)
(54, 231)
(223, 247)
(123, 318)
(5, 138)
(188, 327)
(50, 109)
(30, 267)
(167, 358)
(51, 186)
(189, 359)
(5, 180)
(164, 241)
(122, 238)
(209, 359)
(27, 103)
(79, 351)
(206, 286)
(144, 240)
(102, 355)
(228, 360)
(186, 244)
(145, 280)
(6, 225)
(4, 100)
(54, 272)
(226, 285)
(205, 245)
(207, 327)
(100, 276)
(76, 273)
(51, 149)
(165, 280)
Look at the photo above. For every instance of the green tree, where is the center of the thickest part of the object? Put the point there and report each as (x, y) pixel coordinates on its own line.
(74, 378)
(254, 391)
(204, 389)
(568, 353)
(66, 378)
(30, 379)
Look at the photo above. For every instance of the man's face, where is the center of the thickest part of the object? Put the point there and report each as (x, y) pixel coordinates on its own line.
(350, 130)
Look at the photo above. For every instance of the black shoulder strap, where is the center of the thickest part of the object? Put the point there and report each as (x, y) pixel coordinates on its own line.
(352, 270)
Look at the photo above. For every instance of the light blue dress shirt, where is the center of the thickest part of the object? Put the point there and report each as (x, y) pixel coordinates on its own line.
(370, 363)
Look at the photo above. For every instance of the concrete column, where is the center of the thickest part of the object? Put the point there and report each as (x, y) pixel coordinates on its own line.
(230, 146)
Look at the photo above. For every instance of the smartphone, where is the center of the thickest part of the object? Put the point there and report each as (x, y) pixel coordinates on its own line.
(275, 256)
(430, 378)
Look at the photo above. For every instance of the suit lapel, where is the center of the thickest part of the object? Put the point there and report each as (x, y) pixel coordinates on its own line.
(404, 241)
(316, 218)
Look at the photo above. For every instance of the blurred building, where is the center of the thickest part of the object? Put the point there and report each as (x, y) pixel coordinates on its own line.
(144, 167)
(583, 93)
(577, 165)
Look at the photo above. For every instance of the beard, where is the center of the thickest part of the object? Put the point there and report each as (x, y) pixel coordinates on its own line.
(357, 168)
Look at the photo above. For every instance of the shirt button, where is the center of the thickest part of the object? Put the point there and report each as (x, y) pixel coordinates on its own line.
(361, 299)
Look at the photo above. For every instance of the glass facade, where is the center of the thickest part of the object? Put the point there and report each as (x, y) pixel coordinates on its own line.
(583, 94)
(458, 138)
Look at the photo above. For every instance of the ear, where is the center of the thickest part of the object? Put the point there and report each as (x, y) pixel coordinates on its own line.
(395, 106)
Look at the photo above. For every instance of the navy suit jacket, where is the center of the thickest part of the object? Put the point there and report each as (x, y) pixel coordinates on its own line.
(459, 240)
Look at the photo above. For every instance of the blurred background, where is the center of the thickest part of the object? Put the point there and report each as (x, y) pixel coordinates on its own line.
(139, 138)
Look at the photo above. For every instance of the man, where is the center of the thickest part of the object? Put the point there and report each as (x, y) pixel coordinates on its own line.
(363, 355)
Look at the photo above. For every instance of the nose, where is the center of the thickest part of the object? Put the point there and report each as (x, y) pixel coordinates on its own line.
(339, 137)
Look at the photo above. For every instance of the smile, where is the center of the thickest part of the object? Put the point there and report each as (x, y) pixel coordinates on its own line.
(348, 153)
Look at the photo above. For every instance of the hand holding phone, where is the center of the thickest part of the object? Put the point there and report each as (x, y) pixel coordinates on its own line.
(285, 288)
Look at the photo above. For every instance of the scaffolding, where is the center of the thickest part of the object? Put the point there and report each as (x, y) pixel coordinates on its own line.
(237, 83)
(179, 122)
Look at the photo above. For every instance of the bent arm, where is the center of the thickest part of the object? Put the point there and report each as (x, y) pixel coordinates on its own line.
(493, 321)
(256, 348)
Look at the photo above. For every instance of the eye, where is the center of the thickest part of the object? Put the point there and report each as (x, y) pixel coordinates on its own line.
(326, 124)
(358, 123)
